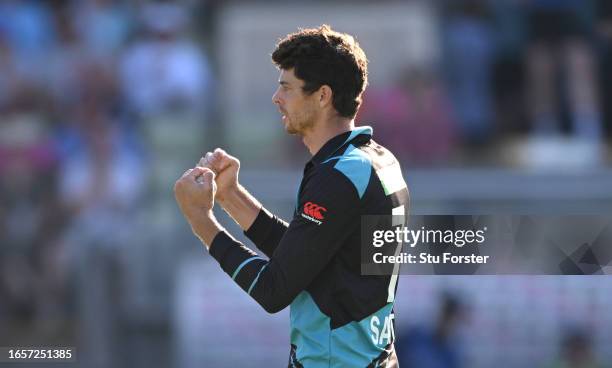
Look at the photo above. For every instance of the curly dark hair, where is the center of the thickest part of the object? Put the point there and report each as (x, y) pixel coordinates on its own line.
(322, 56)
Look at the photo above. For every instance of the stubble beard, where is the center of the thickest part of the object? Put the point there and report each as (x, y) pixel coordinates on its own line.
(301, 124)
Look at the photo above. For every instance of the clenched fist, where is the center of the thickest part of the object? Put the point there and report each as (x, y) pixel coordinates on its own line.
(226, 168)
(195, 192)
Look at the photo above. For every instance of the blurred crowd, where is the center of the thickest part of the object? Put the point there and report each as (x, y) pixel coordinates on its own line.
(439, 344)
(96, 97)
(80, 81)
(537, 71)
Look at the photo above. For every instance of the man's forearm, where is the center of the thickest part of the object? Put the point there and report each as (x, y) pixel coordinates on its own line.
(241, 206)
(205, 227)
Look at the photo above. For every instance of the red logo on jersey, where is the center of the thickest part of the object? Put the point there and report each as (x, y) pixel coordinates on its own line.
(314, 210)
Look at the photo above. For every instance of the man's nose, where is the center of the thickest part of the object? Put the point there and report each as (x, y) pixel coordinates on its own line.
(275, 99)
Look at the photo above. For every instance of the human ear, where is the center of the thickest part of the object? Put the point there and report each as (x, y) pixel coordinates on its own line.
(325, 95)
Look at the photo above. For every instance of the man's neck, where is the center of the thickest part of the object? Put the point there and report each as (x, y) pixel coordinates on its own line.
(322, 132)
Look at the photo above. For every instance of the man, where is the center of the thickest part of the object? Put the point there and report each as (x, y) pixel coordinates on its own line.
(339, 318)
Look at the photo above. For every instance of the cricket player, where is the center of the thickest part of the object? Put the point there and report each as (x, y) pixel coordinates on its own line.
(339, 317)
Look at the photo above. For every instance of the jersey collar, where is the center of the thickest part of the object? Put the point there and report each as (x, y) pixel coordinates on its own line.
(362, 133)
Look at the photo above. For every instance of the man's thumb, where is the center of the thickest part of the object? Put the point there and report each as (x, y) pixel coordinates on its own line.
(208, 177)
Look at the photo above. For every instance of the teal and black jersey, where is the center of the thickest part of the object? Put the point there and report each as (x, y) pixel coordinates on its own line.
(339, 317)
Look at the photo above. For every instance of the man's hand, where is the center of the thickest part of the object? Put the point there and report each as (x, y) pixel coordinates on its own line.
(225, 167)
(195, 192)
(235, 200)
(195, 195)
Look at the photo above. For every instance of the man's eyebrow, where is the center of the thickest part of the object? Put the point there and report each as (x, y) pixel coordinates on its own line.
(283, 83)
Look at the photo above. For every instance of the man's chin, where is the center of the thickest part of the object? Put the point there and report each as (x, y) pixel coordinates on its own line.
(290, 129)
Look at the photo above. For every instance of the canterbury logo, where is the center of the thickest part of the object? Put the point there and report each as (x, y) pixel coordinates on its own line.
(314, 210)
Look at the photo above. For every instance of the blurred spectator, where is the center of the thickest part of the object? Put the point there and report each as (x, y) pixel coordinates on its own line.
(30, 32)
(435, 347)
(164, 70)
(102, 168)
(104, 25)
(30, 218)
(8, 69)
(604, 37)
(560, 58)
(576, 351)
(413, 118)
(101, 181)
(64, 63)
(469, 55)
(101, 174)
(508, 74)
